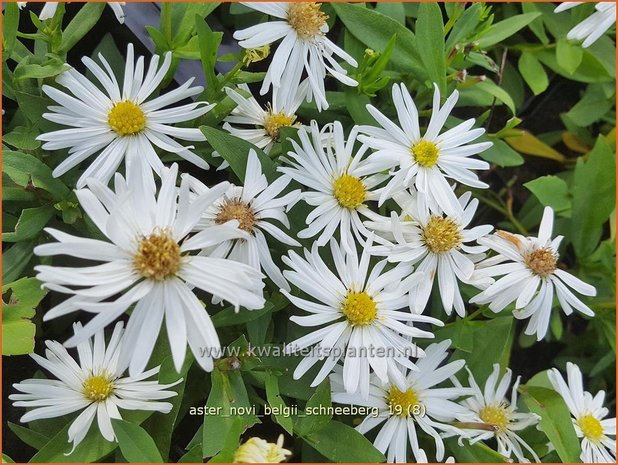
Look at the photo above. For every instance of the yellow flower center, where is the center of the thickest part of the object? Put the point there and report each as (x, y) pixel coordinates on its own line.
(253, 55)
(275, 121)
(359, 308)
(425, 153)
(497, 415)
(97, 388)
(236, 210)
(306, 19)
(126, 118)
(542, 262)
(257, 450)
(349, 191)
(591, 427)
(158, 256)
(403, 404)
(441, 234)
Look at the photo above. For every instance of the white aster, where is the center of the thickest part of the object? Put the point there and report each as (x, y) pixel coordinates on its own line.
(340, 183)
(254, 206)
(437, 243)
(120, 122)
(93, 385)
(417, 403)
(530, 277)
(49, 10)
(424, 161)
(304, 47)
(595, 25)
(358, 312)
(495, 416)
(148, 259)
(258, 450)
(589, 416)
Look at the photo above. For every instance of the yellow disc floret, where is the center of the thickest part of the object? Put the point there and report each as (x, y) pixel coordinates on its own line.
(402, 403)
(359, 308)
(425, 153)
(306, 19)
(158, 256)
(97, 388)
(496, 415)
(236, 210)
(441, 234)
(275, 121)
(349, 191)
(126, 118)
(542, 262)
(591, 427)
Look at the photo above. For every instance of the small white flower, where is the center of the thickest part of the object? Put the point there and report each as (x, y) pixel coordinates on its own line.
(438, 243)
(93, 385)
(120, 122)
(359, 314)
(589, 416)
(496, 416)
(49, 10)
(257, 450)
(595, 25)
(149, 258)
(304, 46)
(417, 402)
(341, 183)
(529, 266)
(254, 206)
(425, 161)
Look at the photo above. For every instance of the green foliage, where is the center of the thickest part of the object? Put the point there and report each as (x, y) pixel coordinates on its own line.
(22, 298)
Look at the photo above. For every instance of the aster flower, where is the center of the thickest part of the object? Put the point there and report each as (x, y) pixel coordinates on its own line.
(253, 206)
(495, 416)
(93, 385)
(357, 311)
(340, 181)
(49, 10)
(424, 161)
(595, 25)
(148, 258)
(437, 243)
(417, 402)
(257, 450)
(589, 416)
(303, 28)
(120, 122)
(530, 277)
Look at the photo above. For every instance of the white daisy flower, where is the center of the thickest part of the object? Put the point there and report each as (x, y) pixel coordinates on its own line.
(93, 385)
(257, 450)
(589, 416)
(417, 402)
(492, 415)
(438, 243)
(120, 122)
(340, 180)
(149, 258)
(425, 161)
(358, 314)
(49, 10)
(253, 206)
(305, 46)
(595, 25)
(530, 275)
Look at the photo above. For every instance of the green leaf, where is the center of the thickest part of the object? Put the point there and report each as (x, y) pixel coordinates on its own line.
(593, 106)
(506, 28)
(465, 25)
(27, 171)
(569, 56)
(551, 191)
(81, 24)
(229, 317)
(342, 443)
(430, 43)
(193, 455)
(494, 90)
(375, 30)
(555, 420)
(217, 419)
(236, 151)
(22, 138)
(15, 259)
(17, 329)
(32, 438)
(276, 402)
(135, 443)
(311, 422)
(502, 155)
(593, 180)
(10, 23)
(473, 453)
(209, 42)
(30, 223)
(533, 73)
(50, 68)
(184, 18)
